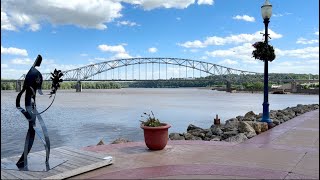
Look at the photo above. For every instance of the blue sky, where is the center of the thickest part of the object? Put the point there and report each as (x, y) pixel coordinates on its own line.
(70, 34)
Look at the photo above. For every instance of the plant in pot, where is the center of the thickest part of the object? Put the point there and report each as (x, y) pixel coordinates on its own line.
(263, 51)
(155, 132)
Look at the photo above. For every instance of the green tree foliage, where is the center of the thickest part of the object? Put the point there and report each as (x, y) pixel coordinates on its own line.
(46, 85)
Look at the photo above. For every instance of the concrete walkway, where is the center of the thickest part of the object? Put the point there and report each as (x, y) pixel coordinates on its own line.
(288, 151)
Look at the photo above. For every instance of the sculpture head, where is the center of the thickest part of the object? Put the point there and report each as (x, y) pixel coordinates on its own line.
(34, 77)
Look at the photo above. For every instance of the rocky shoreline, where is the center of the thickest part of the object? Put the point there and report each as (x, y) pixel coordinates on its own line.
(242, 128)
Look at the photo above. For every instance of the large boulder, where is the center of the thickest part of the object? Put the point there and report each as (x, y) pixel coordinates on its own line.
(249, 116)
(229, 134)
(216, 138)
(176, 136)
(240, 118)
(216, 130)
(248, 130)
(209, 134)
(231, 124)
(273, 114)
(298, 110)
(259, 127)
(239, 138)
(197, 132)
(259, 116)
(192, 127)
(120, 140)
(276, 121)
(285, 118)
(250, 134)
(289, 112)
(100, 142)
(189, 136)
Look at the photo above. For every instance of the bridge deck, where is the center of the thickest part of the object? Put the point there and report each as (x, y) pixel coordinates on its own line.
(77, 162)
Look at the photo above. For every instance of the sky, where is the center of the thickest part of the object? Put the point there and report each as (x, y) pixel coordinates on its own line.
(74, 33)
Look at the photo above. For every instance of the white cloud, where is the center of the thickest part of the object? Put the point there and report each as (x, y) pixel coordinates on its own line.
(126, 23)
(244, 17)
(47, 66)
(83, 54)
(153, 4)
(228, 61)
(12, 73)
(243, 52)
(34, 27)
(86, 14)
(152, 50)
(14, 51)
(50, 67)
(280, 15)
(5, 22)
(296, 66)
(114, 49)
(305, 41)
(123, 55)
(23, 61)
(232, 39)
(209, 2)
(304, 53)
(316, 33)
(4, 66)
(119, 50)
(193, 44)
(303, 60)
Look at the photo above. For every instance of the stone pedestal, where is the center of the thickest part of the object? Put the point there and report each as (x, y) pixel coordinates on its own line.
(228, 86)
(18, 86)
(78, 86)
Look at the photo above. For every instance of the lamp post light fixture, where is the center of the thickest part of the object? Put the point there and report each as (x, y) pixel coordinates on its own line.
(266, 12)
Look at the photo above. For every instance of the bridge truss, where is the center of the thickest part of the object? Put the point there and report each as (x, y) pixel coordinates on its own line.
(151, 69)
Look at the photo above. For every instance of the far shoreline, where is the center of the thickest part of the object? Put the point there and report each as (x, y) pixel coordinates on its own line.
(201, 88)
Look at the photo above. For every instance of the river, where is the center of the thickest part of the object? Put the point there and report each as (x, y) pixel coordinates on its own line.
(82, 119)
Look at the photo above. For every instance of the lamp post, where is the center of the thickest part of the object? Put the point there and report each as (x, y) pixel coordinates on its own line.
(266, 12)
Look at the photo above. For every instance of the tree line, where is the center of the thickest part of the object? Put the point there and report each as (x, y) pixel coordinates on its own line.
(46, 85)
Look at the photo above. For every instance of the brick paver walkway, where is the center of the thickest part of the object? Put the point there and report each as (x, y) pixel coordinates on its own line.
(288, 151)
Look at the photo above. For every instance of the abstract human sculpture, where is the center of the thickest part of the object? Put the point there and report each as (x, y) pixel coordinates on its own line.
(32, 83)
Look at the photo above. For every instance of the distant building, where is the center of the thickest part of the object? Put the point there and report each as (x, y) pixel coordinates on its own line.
(275, 86)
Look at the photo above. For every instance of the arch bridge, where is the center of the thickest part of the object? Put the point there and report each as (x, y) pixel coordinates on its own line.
(146, 69)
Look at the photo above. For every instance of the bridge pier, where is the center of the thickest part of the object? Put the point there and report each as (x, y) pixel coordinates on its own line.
(294, 87)
(228, 87)
(78, 86)
(18, 86)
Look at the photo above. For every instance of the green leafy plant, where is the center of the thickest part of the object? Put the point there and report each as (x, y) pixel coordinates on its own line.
(263, 51)
(151, 121)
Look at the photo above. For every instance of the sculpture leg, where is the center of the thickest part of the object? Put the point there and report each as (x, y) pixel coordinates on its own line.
(46, 136)
(23, 161)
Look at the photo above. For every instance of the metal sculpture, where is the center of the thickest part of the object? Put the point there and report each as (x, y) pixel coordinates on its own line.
(33, 83)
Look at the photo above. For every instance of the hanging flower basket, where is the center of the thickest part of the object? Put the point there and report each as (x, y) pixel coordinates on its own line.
(263, 51)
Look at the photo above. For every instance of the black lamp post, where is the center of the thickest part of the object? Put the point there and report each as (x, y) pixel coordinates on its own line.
(266, 11)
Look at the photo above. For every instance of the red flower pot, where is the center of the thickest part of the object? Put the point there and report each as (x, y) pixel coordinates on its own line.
(156, 138)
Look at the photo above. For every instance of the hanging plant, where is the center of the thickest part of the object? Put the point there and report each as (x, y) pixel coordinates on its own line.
(263, 51)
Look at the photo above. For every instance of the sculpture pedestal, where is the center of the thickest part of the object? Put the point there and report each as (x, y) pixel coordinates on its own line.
(35, 163)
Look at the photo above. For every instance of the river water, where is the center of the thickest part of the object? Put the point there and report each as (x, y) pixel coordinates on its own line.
(82, 119)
